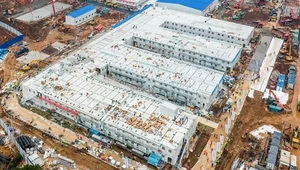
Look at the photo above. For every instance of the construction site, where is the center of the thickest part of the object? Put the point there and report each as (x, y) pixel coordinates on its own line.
(92, 85)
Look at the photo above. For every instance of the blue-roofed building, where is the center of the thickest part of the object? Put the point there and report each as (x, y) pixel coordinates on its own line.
(81, 15)
(200, 7)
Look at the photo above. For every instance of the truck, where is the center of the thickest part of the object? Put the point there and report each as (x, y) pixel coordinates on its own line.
(296, 39)
(293, 162)
(298, 104)
(257, 24)
(280, 34)
(291, 77)
(21, 52)
(287, 22)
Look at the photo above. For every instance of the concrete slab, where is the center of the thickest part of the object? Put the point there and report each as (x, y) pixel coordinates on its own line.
(33, 55)
(43, 12)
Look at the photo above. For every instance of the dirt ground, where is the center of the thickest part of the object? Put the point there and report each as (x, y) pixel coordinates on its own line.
(248, 121)
(82, 160)
(252, 14)
(5, 35)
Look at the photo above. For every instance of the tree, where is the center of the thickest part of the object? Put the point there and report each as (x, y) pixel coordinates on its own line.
(29, 167)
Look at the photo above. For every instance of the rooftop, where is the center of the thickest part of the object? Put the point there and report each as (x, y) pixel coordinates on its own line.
(72, 82)
(195, 4)
(80, 11)
(174, 72)
(217, 49)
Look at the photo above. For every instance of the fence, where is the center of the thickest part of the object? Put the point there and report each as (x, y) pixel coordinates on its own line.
(13, 139)
(12, 41)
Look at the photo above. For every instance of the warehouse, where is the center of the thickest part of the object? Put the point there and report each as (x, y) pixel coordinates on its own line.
(81, 15)
(198, 7)
(75, 90)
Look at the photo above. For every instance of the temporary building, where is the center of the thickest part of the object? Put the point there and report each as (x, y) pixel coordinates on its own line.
(81, 15)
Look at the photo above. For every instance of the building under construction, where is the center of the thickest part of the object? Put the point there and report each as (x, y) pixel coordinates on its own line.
(74, 89)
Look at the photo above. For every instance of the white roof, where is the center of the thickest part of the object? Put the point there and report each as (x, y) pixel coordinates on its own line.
(201, 45)
(75, 84)
(176, 73)
(285, 157)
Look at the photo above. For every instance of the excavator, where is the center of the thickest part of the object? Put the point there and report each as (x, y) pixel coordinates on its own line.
(295, 140)
(239, 4)
(289, 56)
(30, 65)
(273, 104)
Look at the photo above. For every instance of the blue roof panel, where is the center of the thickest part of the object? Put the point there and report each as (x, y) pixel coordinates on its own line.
(195, 4)
(80, 11)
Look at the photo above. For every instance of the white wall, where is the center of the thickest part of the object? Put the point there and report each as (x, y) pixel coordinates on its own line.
(132, 3)
(177, 52)
(172, 93)
(181, 8)
(80, 19)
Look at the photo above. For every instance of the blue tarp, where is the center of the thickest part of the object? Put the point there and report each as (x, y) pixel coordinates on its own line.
(154, 159)
(131, 16)
(81, 11)
(11, 42)
(195, 4)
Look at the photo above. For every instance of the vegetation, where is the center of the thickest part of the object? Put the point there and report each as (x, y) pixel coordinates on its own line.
(29, 167)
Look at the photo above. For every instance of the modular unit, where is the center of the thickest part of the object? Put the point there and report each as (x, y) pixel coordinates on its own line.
(81, 15)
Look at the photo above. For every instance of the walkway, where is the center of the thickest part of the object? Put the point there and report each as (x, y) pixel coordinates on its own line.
(207, 122)
(267, 65)
(209, 154)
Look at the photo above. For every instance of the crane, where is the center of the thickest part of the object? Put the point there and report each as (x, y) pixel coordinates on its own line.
(28, 5)
(53, 7)
(239, 4)
(272, 93)
(293, 14)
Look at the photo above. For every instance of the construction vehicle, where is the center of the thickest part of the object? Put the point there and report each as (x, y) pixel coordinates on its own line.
(30, 65)
(298, 104)
(293, 17)
(21, 52)
(289, 56)
(103, 11)
(114, 5)
(295, 140)
(239, 4)
(280, 34)
(287, 22)
(273, 18)
(9, 12)
(211, 15)
(239, 15)
(257, 24)
(273, 103)
(92, 22)
(295, 40)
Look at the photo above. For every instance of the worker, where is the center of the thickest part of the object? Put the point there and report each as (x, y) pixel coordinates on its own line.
(259, 122)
